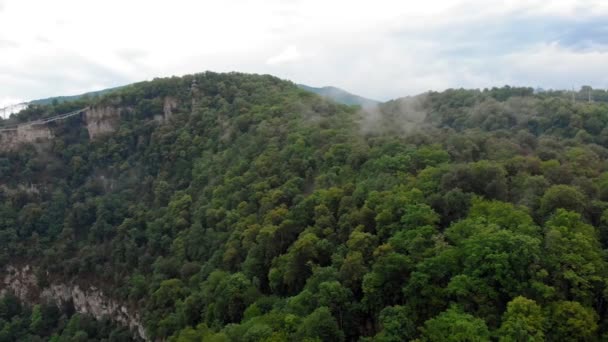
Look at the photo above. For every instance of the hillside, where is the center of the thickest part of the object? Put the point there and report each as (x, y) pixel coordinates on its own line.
(237, 207)
(340, 96)
(60, 99)
(333, 93)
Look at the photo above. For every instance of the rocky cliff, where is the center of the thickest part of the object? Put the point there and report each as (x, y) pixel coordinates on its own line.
(9, 140)
(22, 281)
(101, 120)
(169, 105)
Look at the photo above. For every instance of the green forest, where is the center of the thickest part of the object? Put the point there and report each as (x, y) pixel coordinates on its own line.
(262, 212)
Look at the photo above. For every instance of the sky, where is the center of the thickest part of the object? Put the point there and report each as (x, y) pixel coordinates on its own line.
(380, 49)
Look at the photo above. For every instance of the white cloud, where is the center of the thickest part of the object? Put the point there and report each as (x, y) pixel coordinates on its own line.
(290, 54)
(380, 49)
(559, 66)
(7, 101)
(9, 106)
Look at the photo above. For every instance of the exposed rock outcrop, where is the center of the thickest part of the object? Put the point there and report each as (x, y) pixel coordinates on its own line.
(195, 93)
(10, 140)
(20, 188)
(101, 120)
(169, 105)
(85, 299)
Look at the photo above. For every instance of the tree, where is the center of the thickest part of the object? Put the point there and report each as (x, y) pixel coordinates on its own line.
(454, 325)
(336, 297)
(506, 261)
(352, 270)
(574, 257)
(564, 197)
(484, 178)
(382, 286)
(320, 325)
(505, 215)
(570, 321)
(522, 322)
(293, 268)
(36, 321)
(397, 325)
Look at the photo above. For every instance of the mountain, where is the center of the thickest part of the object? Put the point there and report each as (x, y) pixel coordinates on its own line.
(61, 99)
(336, 94)
(239, 207)
(340, 96)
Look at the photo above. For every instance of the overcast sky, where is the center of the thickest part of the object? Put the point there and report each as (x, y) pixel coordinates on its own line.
(380, 49)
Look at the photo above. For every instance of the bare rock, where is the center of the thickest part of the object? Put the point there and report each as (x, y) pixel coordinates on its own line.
(169, 105)
(101, 120)
(22, 282)
(10, 140)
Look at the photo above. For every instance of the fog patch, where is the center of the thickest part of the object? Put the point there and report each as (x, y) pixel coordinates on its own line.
(400, 116)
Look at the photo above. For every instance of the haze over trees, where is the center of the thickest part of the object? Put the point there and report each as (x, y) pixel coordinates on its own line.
(262, 212)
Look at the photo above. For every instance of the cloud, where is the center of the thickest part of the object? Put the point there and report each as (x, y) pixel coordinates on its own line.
(7, 101)
(586, 35)
(383, 50)
(290, 54)
(560, 66)
(8, 44)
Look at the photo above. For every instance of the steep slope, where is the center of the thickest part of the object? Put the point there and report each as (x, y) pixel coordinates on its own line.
(240, 207)
(48, 322)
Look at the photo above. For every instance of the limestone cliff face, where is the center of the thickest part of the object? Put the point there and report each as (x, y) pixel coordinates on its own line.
(10, 140)
(169, 105)
(90, 300)
(101, 120)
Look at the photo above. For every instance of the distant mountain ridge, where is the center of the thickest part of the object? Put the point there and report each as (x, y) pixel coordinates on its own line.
(60, 99)
(340, 95)
(5, 112)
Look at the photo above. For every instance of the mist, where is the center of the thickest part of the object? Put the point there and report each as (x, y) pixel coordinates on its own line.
(399, 116)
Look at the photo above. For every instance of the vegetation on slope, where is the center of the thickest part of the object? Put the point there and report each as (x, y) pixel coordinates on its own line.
(262, 212)
(47, 322)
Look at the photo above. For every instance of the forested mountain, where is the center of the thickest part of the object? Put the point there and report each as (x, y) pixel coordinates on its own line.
(340, 96)
(333, 93)
(60, 99)
(235, 207)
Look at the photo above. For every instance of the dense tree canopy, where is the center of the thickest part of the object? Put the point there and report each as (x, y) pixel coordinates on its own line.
(260, 212)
